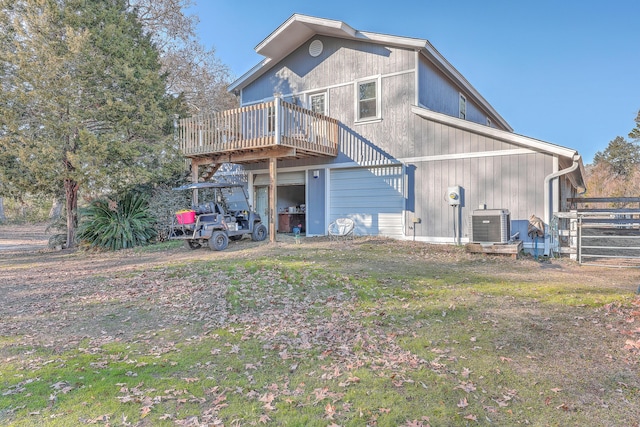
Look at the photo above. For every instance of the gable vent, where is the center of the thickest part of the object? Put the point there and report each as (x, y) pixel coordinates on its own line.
(315, 48)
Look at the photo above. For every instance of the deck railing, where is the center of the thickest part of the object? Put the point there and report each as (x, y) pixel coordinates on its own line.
(265, 125)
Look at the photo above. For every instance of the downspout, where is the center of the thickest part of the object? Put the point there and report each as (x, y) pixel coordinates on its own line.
(547, 195)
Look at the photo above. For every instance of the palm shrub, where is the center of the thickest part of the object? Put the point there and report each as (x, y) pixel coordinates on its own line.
(112, 225)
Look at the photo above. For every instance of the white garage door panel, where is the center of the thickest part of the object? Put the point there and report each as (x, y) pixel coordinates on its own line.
(366, 179)
(372, 197)
(371, 201)
(282, 178)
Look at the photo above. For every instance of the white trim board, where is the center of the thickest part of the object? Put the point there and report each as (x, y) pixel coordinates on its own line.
(478, 154)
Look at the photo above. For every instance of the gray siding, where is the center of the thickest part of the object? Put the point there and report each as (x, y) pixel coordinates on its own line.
(378, 142)
(439, 155)
(341, 62)
(496, 180)
(437, 139)
(436, 92)
(316, 206)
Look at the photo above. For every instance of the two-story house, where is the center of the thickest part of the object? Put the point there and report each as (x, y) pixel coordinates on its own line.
(378, 128)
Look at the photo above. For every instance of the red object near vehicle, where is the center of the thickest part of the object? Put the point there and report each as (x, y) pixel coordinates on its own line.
(186, 217)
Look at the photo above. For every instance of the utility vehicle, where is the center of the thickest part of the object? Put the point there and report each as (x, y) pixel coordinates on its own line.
(226, 215)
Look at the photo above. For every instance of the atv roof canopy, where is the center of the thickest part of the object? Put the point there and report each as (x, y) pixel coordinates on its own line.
(198, 185)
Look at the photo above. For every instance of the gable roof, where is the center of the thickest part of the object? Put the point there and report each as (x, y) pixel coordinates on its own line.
(299, 28)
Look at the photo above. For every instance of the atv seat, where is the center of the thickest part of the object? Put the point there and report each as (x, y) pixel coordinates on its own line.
(208, 218)
(207, 208)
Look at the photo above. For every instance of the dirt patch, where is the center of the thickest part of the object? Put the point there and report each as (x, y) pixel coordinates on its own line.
(24, 256)
(23, 237)
(51, 283)
(44, 281)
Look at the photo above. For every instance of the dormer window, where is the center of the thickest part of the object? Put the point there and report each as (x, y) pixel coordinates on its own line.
(368, 99)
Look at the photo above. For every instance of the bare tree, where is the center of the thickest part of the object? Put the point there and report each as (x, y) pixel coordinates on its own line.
(193, 71)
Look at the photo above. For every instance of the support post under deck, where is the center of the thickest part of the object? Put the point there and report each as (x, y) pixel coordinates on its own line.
(273, 212)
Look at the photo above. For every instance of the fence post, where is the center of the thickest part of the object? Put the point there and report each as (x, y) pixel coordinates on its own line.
(579, 239)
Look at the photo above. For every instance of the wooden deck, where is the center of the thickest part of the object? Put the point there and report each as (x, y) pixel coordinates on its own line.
(511, 249)
(265, 132)
(258, 132)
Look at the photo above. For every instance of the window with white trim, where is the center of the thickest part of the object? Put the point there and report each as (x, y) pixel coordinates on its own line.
(462, 109)
(368, 99)
(318, 103)
(271, 119)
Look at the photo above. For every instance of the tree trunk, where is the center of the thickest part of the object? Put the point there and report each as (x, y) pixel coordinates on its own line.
(3, 217)
(71, 193)
(56, 209)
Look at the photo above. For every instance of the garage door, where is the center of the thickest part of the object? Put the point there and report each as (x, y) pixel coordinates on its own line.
(283, 178)
(372, 197)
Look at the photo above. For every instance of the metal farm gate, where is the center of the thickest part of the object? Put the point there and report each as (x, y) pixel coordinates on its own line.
(608, 231)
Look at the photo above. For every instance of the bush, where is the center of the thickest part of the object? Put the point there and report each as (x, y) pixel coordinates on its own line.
(28, 208)
(164, 203)
(117, 225)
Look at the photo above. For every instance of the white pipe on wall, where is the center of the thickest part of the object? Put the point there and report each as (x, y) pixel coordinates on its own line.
(548, 203)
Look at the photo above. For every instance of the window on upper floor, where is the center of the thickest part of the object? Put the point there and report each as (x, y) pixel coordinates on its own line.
(368, 99)
(271, 119)
(462, 109)
(318, 103)
(489, 122)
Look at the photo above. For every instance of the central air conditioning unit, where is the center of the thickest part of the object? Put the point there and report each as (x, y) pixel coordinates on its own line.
(490, 226)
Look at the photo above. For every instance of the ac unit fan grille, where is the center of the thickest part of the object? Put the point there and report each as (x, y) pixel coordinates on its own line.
(490, 226)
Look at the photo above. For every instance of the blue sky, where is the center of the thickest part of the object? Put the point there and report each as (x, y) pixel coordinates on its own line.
(566, 72)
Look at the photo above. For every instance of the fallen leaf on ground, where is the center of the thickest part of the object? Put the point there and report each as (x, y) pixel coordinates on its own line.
(264, 418)
(329, 411)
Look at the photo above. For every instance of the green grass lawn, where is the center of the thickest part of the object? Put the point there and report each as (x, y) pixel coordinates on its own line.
(369, 333)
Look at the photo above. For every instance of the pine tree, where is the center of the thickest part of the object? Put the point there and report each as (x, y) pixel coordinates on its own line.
(635, 132)
(85, 105)
(621, 156)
